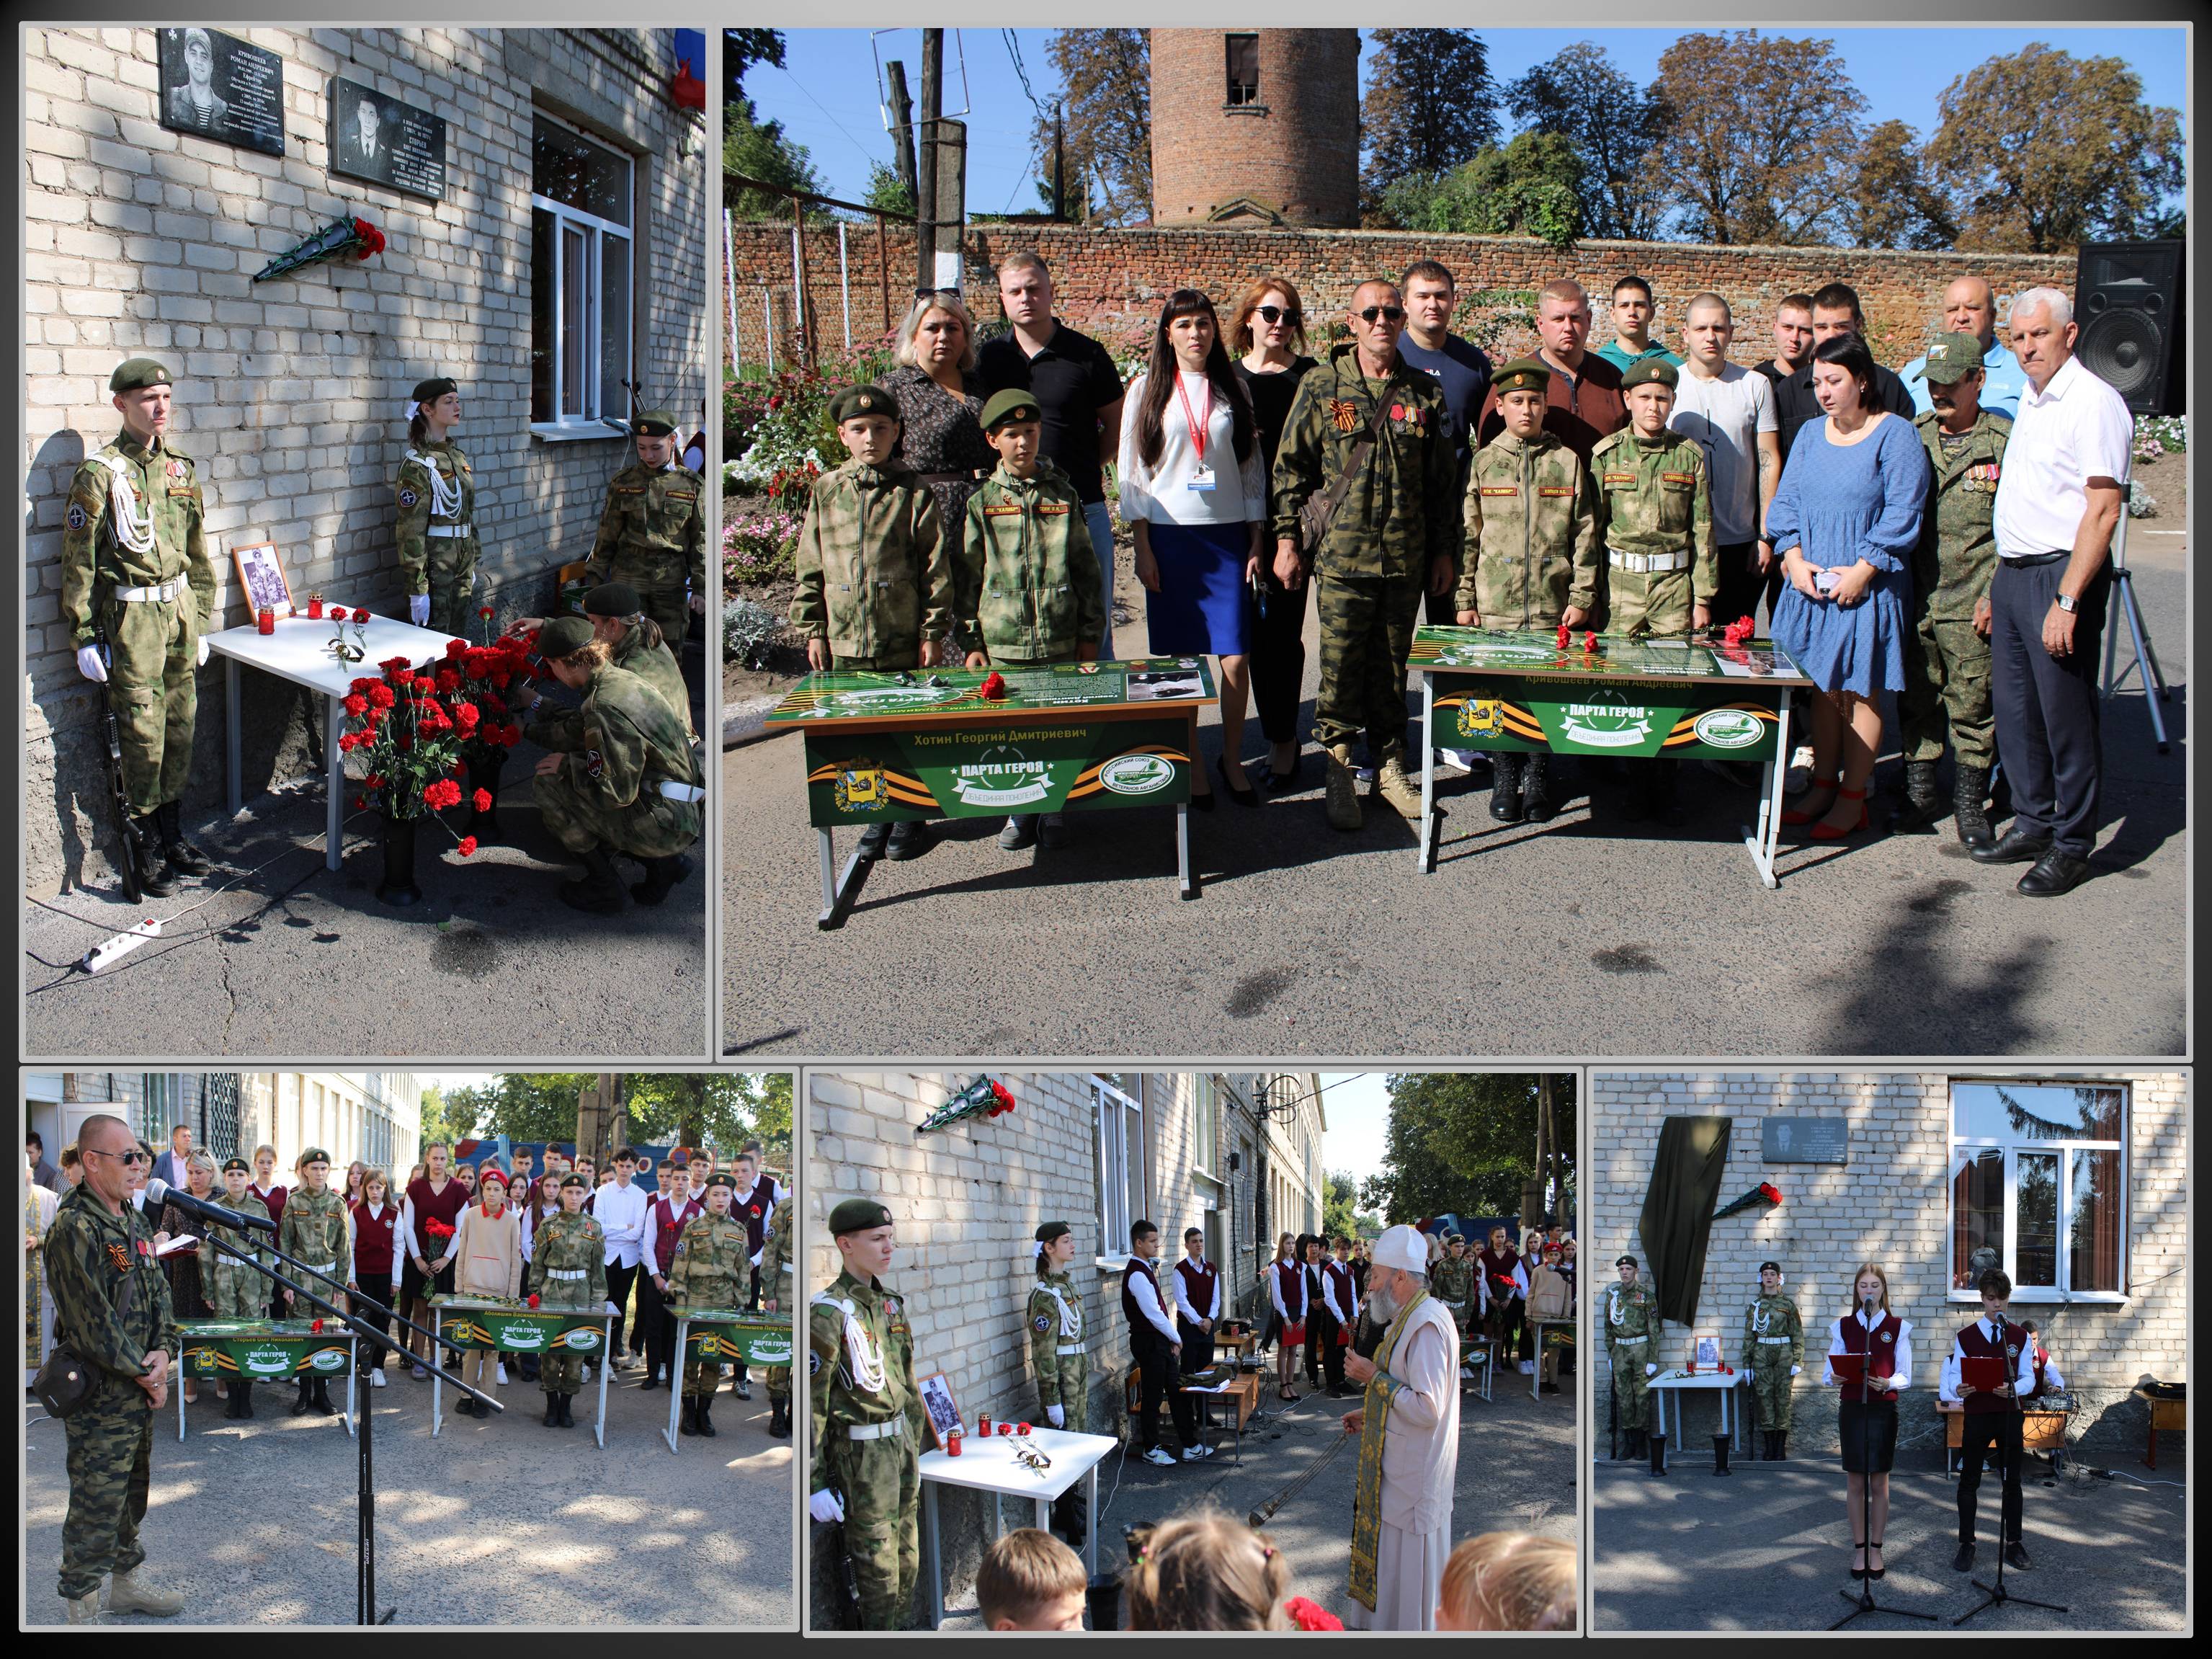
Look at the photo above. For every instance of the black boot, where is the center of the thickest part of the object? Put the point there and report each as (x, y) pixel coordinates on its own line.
(872, 839)
(706, 1421)
(1635, 1450)
(910, 839)
(237, 1397)
(302, 1401)
(779, 1418)
(1782, 1445)
(323, 1406)
(1923, 806)
(1660, 777)
(1970, 789)
(552, 1410)
(661, 876)
(1535, 800)
(565, 1420)
(691, 1424)
(600, 891)
(156, 875)
(184, 857)
(241, 1395)
(1720, 1453)
(1658, 1454)
(1506, 787)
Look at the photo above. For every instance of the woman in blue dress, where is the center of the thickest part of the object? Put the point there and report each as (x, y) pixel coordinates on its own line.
(1845, 520)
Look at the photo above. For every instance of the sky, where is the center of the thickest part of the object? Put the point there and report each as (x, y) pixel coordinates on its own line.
(826, 94)
(1358, 1108)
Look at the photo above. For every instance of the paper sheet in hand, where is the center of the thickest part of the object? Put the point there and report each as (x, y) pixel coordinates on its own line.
(181, 1241)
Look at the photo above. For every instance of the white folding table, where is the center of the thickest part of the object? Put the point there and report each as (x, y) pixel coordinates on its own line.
(299, 653)
(1723, 1382)
(989, 1465)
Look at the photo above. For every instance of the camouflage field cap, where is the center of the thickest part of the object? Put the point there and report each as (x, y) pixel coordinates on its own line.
(866, 399)
(656, 423)
(1522, 375)
(1950, 358)
(1014, 404)
(136, 373)
(1645, 370)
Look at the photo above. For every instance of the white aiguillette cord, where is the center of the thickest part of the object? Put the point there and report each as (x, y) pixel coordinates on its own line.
(133, 529)
(445, 498)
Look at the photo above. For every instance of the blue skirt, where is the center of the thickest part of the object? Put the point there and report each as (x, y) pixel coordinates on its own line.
(1860, 649)
(1203, 606)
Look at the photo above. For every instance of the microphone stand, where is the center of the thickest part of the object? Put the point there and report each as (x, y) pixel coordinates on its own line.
(1863, 1602)
(365, 1611)
(1996, 1594)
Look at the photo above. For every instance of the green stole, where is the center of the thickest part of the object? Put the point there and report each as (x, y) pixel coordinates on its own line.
(1367, 1491)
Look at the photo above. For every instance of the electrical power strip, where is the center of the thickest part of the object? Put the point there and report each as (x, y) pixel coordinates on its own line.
(113, 950)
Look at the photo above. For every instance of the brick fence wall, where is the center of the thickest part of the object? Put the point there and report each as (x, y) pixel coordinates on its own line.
(1889, 1204)
(290, 393)
(1111, 283)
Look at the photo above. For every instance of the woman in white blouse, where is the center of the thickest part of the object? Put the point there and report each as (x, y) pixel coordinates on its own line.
(1194, 495)
(1867, 1410)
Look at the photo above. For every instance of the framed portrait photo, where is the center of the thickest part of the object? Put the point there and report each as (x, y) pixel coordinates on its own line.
(261, 578)
(944, 1411)
(1705, 1353)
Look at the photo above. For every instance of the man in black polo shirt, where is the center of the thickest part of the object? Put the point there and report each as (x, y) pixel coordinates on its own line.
(1835, 310)
(1077, 387)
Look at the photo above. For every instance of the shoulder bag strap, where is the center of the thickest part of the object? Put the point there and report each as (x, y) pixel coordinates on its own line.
(1320, 508)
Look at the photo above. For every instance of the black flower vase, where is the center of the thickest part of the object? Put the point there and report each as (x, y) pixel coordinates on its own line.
(398, 886)
(483, 774)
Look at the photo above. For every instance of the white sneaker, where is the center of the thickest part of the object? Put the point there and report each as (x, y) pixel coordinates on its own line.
(376, 1378)
(1466, 1371)
(1196, 1454)
(1527, 1368)
(503, 1371)
(1165, 1459)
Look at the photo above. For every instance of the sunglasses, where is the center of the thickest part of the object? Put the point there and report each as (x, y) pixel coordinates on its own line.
(120, 1158)
(1273, 314)
(1387, 313)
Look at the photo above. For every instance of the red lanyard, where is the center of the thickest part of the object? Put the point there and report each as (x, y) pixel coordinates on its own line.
(1197, 424)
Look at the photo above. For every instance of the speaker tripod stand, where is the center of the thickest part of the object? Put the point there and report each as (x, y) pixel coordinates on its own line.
(2146, 658)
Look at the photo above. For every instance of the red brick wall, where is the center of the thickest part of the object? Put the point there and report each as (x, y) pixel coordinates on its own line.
(1298, 155)
(1110, 283)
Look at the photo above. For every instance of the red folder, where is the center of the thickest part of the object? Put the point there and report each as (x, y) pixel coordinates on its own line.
(1847, 1367)
(1982, 1371)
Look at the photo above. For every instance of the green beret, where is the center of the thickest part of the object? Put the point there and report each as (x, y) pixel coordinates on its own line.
(1012, 405)
(857, 1215)
(1522, 375)
(722, 1178)
(313, 1155)
(611, 599)
(136, 373)
(866, 399)
(1645, 370)
(429, 390)
(1052, 1229)
(562, 636)
(239, 1163)
(655, 423)
(573, 1179)
(1950, 360)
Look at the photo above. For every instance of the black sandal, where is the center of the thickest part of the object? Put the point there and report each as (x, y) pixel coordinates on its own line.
(1874, 1571)
(1858, 1572)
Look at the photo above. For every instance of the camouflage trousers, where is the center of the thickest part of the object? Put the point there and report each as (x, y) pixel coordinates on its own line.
(561, 1373)
(1366, 634)
(1628, 1384)
(233, 1291)
(672, 608)
(110, 1450)
(1645, 603)
(778, 1378)
(1771, 1391)
(880, 1481)
(700, 1378)
(1071, 1511)
(1947, 681)
(879, 664)
(453, 573)
(151, 684)
(34, 1308)
(651, 826)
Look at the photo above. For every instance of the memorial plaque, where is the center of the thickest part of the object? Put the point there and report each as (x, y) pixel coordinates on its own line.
(1804, 1140)
(221, 88)
(375, 136)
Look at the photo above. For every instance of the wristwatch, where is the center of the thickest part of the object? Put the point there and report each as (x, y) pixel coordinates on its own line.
(2065, 602)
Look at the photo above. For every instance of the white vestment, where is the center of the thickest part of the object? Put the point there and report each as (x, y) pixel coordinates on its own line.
(1421, 1463)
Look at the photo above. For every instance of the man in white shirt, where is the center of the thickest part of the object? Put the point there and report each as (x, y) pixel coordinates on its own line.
(169, 1167)
(620, 1210)
(1990, 1416)
(1729, 411)
(666, 1215)
(2059, 501)
(1195, 1285)
(1157, 1352)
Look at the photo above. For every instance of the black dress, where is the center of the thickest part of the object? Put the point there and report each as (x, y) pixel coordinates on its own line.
(183, 1269)
(1276, 648)
(940, 433)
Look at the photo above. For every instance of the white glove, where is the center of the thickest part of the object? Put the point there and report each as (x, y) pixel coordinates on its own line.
(1055, 1415)
(203, 651)
(90, 665)
(1795, 1369)
(1651, 1370)
(418, 610)
(824, 1506)
(613, 1310)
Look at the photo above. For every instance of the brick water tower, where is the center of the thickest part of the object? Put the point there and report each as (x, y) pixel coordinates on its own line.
(1256, 127)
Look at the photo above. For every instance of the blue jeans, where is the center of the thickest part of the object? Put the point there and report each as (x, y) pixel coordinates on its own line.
(1098, 518)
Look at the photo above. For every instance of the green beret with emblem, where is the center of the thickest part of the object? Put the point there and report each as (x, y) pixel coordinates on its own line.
(611, 599)
(136, 373)
(573, 1179)
(1014, 404)
(866, 399)
(1950, 358)
(313, 1155)
(858, 1215)
(722, 1178)
(1645, 371)
(562, 636)
(236, 1163)
(1522, 375)
(655, 423)
(429, 392)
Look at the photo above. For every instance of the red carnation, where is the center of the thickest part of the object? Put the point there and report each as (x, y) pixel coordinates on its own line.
(455, 647)
(481, 801)
(533, 1298)
(468, 845)
(994, 686)
(1306, 1615)
(356, 704)
(316, 1326)
(361, 615)
(361, 803)
(1589, 641)
(1771, 1193)
(380, 696)
(484, 611)
(1564, 635)
(395, 664)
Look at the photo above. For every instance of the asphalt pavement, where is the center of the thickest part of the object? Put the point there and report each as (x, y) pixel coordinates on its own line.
(1586, 936)
(495, 1523)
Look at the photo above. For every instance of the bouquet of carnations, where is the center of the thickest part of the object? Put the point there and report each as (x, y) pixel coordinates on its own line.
(984, 1096)
(341, 239)
(410, 743)
(1764, 1193)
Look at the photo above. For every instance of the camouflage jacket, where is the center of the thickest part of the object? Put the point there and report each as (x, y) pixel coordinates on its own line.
(629, 740)
(568, 1244)
(416, 492)
(777, 1282)
(1654, 496)
(564, 728)
(1025, 578)
(1048, 1324)
(1772, 1315)
(213, 1263)
(314, 1231)
(713, 1264)
(1957, 550)
(875, 574)
(89, 1257)
(1531, 545)
(1453, 1282)
(840, 1384)
(94, 561)
(1397, 516)
(1633, 1311)
(652, 532)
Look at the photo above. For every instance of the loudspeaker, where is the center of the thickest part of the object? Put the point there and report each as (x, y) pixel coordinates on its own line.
(2128, 300)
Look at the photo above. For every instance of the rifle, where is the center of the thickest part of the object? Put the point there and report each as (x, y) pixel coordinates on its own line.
(132, 864)
(1612, 1420)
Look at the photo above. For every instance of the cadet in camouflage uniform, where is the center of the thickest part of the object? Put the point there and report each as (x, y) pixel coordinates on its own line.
(1532, 553)
(652, 534)
(110, 1310)
(1061, 1360)
(1774, 1352)
(1630, 1318)
(1656, 524)
(314, 1233)
(1394, 534)
(235, 1290)
(436, 533)
(135, 570)
(1452, 1283)
(1026, 580)
(712, 1268)
(567, 1272)
(778, 1288)
(630, 785)
(867, 1416)
(633, 642)
(1946, 656)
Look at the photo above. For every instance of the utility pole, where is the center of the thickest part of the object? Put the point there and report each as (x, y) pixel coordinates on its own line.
(903, 125)
(924, 190)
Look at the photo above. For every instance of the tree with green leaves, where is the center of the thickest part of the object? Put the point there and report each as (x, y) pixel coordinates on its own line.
(1893, 202)
(1340, 1205)
(2042, 151)
(1430, 104)
(522, 1105)
(1527, 189)
(716, 1108)
(1618, 131)
(1466, 1142)
(1106, 77)
(887, 191)
(441, 1121)
(757, 148)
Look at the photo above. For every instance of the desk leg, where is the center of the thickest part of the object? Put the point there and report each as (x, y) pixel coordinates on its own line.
(334, 808)
(932, 1563)
(1091, 1531)
(838, 892)
(1763, 838)
(1429, 834)
(437, 1372)
(230, 739)
(353, 1381)
(676, 1373)
(180, 1396)
(1185, 880)
(607, 1364)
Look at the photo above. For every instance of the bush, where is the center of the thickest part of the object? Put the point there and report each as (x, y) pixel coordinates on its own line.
(2161, 435)
(761, 544)
(748, 630)
(781, 434)
(2142, 504)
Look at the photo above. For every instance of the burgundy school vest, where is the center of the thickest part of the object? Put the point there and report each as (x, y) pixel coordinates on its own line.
(1291, 1277)
(2009, 1340)
(1339, 1280)
(753, 1212)
(2042, 1357)
(272, 1200)
(1880, 1343)
(373, 1241)
(446, 1206)
(1141, 1326)
(1198, 1282)
(1497, 1267)
(672, 1223)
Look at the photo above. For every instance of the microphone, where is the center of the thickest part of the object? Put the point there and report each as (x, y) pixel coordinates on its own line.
(160, 1192)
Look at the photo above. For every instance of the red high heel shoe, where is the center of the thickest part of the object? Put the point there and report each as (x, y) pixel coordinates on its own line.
(1796, 816)
(1824, 832)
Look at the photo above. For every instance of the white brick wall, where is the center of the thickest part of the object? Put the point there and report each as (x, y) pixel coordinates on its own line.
(139, 239)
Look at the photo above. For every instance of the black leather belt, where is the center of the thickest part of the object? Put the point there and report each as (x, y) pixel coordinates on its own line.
(2028, 561)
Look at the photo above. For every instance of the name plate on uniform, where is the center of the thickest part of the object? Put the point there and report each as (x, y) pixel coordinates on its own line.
(1804, 1140)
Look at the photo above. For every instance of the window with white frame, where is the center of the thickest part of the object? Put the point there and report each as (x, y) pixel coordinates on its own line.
(2038, 1187)
(581, 193)
(1124, 1189)
(1205, 1121)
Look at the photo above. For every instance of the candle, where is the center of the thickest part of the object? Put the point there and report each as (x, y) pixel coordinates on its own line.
(953, 1444)
(266, 621)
